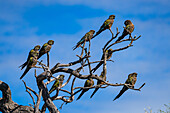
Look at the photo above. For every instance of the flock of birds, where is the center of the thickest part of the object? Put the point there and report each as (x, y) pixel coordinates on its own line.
(36, 53)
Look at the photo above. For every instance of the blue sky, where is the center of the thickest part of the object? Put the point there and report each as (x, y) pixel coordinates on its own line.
(25, 23)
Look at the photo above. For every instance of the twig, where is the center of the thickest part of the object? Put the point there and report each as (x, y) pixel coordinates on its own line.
(69, 64)
(89, 47)
(28, 88)
(36, 108)
(100, 86)
(111, 38)
(134, 39)
(56, 78)
(88, 62)
(111, 32)
(47, 70)
(67, 81)
(104, 64)
(83, 49)
(35, 73)
(48, 59)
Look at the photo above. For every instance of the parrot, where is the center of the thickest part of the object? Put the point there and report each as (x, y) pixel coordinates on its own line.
(108, 56)
(129, 26)
(33, 53)
(106, 25)
(45, 48)
(57, 83)
(131, 81)
(99, 83)
(31, 63)
(86, 37)
(89, 83)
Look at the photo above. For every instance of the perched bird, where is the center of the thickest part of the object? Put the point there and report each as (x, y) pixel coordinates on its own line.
(57, 83)
(86, 37)
(99, 83)
(108, 56)
(129, 26)
(31, 63)
(89, 83)
(45, 48)
(106, 25)
(33, 53)
(131, 81)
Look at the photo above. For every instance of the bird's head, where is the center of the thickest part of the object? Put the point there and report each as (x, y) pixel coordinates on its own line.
(61, 77)
(37, 47)
(134, 74)
(92, 31)
(50, 42)
(127, 22)
(110, 50)
(112, 17)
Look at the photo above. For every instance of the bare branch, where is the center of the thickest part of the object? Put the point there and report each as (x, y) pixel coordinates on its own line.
(106, 85)
(6, 92)
(50, 105)
(111, 38)
(89, 47)
(48, 59)
(67, 81)
(9, 106)
(69, 64)
(88, 61)
(28, 88)
(35, 73)
(83, 49)
(36, 108)
(134, 39)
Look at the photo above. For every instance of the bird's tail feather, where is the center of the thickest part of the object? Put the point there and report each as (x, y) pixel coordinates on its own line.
(121, 92)
(81, 94)
(74, 47)
(96, 89)
(98, 32)
(98, 65)
(51, 90)
(23, 65)
(121, 37)
(25, 72)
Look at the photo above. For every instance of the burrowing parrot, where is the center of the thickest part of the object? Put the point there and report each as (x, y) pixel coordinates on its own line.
(89, 83)
(131, 81)
(106, 25)
(45, 48)
(99, 83)
(86, 37)
(129, 26)
(33, 53)
(58, 83)
(108, 56)
(31, 63)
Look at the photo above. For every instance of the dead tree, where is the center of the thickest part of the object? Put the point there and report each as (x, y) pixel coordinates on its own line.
(8, 106)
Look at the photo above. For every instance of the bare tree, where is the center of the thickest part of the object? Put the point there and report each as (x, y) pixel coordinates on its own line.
(8, 106)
